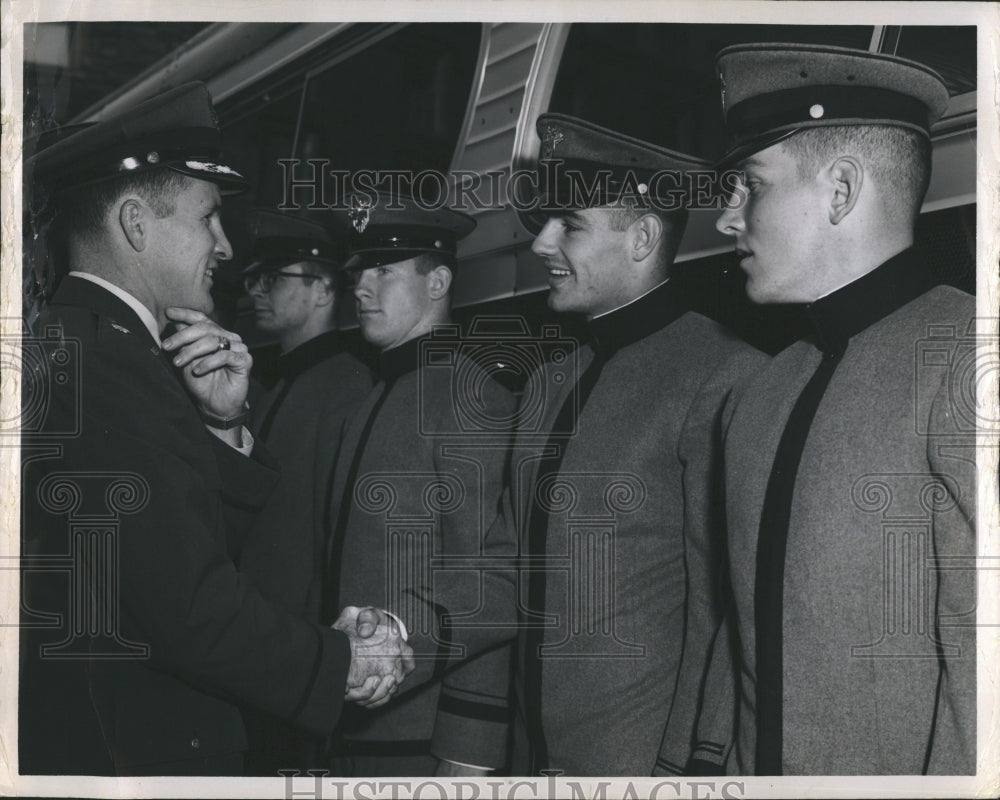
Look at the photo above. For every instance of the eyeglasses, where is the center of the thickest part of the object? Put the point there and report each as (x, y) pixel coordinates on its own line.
(268, 279)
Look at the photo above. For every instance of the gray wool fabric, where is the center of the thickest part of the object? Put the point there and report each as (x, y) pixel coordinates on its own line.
(633, 558)
(427, 487)
(879, 660)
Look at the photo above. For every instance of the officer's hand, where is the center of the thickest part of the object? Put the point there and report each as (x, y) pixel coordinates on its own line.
(214, 362)
(380, 659)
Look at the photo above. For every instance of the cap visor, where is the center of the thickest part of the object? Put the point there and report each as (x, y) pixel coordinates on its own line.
(738, 152)
(365, 259)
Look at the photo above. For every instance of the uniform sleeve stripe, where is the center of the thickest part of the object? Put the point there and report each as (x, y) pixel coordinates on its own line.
(669, 766)
(467, 708)
(467, 694)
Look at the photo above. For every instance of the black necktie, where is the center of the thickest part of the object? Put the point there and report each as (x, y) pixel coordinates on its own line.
(538, 523)
(771, 549)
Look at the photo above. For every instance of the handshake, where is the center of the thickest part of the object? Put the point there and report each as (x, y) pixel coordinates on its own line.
(380, 659)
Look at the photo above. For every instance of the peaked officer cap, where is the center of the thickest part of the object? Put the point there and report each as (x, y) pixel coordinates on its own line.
(177, 129)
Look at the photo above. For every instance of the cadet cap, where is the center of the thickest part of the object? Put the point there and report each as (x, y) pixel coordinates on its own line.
(594, 166)
(770, 91)
(280, 238)
(386, 229)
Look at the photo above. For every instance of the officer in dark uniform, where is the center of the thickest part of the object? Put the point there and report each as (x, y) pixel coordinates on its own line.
(414, 481)
(857, 652)
(292, 281)
(137, 465)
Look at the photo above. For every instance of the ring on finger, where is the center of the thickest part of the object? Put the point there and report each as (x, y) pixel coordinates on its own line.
(224, 343)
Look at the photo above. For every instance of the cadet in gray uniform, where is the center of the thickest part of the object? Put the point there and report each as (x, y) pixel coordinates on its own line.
(850, 459)
(415, 482)
(609, 543)
(628, 496)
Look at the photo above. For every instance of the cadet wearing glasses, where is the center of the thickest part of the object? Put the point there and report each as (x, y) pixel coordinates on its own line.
(291, 282)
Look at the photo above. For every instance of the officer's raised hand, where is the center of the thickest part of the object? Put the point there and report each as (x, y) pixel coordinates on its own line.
(215, 364)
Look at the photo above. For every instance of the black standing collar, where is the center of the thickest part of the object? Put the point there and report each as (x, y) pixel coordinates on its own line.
(399, 360)
(636, 320)
(846, 312)
(308, 354)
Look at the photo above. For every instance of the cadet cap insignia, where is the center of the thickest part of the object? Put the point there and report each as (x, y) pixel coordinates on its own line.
(553, 136)
(360, 213)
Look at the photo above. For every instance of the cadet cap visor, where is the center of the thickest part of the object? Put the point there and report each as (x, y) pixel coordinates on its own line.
(591, 153)
(771, 91)
(177, 130)
(388, 229)
(282, 238)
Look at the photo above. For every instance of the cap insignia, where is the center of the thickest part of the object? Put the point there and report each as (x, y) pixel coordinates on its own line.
(360, 213)
(552, 137)
(205, 166)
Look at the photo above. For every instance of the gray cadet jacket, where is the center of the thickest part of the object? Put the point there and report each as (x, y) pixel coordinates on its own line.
(877, 644)
(416, 485)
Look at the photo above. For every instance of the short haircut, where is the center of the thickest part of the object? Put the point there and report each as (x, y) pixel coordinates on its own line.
(425, 263)
(624, 214)
(899, 159)
(82, 212)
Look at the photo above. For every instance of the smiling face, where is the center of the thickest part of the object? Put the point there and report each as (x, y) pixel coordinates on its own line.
(778, 228)
(587, 261)
(394, 303)
(185, 247)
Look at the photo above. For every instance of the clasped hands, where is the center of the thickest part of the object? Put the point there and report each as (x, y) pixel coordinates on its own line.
(380, 659)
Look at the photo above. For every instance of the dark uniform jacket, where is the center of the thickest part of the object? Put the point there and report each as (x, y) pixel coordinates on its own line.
(876, 646)
(134, 500)
(631, 542)
(317, 384)
(415, 487)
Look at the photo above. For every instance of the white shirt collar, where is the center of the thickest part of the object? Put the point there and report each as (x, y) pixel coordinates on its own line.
(633, 300)
(141, 311)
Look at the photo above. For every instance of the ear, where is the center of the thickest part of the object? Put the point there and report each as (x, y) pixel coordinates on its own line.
(132, 219)
(645, 235)
(439, 282)
(324, 292)
(847, 176)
